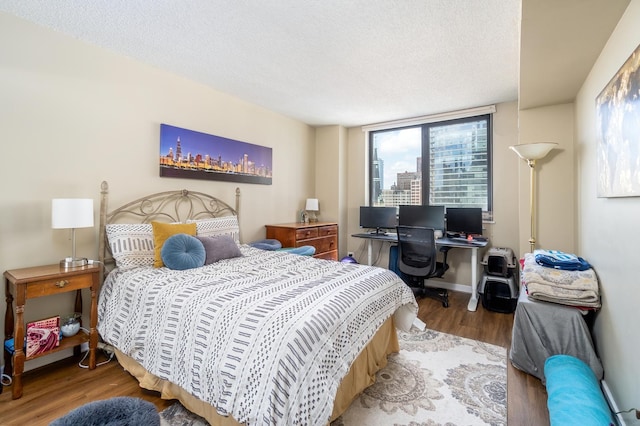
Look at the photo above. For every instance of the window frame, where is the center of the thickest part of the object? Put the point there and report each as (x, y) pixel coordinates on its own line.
(424, 152)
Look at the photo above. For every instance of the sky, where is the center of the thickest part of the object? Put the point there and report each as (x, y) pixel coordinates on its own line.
(399, 150)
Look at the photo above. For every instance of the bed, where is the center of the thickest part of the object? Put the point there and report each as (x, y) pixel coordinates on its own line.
(260, 337)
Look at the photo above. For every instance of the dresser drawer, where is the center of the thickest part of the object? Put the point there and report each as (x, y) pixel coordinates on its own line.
(323, 231)
(58, 285)
(325, 244)
(330, 255)
(306, 233)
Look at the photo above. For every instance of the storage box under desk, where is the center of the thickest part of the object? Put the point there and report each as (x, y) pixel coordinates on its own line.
(542, 329)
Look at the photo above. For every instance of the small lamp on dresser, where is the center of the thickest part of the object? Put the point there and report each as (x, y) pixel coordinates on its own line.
(311, 208)
(72, 213)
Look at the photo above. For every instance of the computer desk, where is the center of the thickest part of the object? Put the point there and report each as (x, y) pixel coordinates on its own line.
(440, 242)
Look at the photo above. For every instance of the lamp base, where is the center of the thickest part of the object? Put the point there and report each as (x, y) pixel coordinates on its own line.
(73, 262)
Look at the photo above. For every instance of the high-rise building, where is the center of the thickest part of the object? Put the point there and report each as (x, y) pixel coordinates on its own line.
(378, 178)
(404, 180)
(178, 151)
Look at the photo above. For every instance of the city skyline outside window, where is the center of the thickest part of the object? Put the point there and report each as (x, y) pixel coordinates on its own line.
(454, 155)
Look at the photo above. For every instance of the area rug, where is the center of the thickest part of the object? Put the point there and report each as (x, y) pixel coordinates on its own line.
(435, 379)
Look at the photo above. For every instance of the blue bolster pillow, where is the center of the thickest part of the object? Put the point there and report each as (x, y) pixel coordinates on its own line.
(267, 244)
(574, 396)
(302, 250)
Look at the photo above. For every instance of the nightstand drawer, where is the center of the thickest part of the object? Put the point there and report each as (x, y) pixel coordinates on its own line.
(306, 233)
(58, 285)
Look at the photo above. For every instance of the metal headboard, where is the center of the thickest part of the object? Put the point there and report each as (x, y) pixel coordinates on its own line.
(168, 206)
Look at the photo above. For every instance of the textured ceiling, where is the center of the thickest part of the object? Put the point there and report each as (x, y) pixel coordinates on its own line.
(323, 62)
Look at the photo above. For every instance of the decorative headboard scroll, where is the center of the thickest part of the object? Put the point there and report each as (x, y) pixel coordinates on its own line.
(168, 206)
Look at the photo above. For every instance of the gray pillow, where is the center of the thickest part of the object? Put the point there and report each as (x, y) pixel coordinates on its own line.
(219, 247)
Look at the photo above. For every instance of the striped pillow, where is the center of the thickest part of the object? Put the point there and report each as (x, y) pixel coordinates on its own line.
(225, 225)
(131, 244)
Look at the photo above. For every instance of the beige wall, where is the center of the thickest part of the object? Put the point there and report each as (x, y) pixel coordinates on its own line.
(502, 232)
(555, 186)
(330, 178)
(608, 231)
(73, 115)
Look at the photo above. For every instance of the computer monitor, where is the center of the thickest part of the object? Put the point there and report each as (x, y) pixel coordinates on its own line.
(425, 216)
(464, 220)
(378, 218)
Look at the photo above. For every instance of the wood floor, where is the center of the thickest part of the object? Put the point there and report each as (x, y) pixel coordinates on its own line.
(53, 390)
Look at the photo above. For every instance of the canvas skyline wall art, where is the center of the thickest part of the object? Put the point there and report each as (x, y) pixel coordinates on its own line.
(195, 155)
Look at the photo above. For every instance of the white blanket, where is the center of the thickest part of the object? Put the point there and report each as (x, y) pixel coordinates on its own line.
(266, 338)
(574, 288)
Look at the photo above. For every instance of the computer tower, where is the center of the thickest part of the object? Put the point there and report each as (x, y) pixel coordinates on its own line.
(499, 294)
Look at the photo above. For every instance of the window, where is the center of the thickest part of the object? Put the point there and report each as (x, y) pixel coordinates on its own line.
(436, 163)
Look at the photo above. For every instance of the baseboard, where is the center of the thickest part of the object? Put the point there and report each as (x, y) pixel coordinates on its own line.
(612, 403)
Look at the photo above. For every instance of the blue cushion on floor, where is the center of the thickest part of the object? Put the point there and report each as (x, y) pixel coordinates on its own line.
(118, 411)
(574, 394)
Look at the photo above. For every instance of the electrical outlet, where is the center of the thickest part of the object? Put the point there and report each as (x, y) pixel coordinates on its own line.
(350, 253)
(84, 347)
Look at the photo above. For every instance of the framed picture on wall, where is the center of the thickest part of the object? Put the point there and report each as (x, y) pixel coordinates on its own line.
(195, 155)
(618, 132)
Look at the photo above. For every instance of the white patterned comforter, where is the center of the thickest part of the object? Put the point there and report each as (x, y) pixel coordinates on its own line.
(266, 338)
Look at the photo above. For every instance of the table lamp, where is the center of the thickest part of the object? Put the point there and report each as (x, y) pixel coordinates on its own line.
(530, 152)
(312, 208)
(72, 213)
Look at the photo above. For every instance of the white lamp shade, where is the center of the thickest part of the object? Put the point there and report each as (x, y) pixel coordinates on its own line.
(312, 205)
(533, 151)
(71, 213)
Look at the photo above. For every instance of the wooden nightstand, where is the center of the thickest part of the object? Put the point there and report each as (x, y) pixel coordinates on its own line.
(39, 281)
(321, 235)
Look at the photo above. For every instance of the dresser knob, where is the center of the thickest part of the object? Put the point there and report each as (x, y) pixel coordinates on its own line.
(62, 283)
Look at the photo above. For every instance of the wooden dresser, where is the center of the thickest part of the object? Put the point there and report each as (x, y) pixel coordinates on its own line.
(322, 235)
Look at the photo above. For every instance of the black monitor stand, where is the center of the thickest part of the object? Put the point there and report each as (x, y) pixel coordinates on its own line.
(378, 231)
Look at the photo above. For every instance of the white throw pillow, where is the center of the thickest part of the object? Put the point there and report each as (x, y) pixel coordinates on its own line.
(225, 225)
(131, 244)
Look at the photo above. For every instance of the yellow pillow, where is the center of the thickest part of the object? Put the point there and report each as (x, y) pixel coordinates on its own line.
(162, 231)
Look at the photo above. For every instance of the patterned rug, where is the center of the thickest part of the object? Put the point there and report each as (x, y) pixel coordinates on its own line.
(436, 379)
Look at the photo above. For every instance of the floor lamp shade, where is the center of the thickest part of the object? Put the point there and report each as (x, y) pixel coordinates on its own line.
(533, 151)
(530, 152)
(72, 213)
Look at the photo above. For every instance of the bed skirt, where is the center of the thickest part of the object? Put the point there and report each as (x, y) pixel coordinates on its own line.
(360, 376)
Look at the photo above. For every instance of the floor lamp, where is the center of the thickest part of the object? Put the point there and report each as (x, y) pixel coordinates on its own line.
(530, 152)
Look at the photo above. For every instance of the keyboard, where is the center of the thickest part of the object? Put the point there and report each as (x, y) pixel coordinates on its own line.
(462, 240)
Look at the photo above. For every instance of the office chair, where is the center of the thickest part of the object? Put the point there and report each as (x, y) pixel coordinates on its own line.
(417, 260)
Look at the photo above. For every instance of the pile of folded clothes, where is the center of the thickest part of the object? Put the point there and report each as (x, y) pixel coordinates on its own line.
(554, 276)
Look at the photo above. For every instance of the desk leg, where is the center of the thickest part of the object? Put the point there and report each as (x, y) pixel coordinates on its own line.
(369, 252)
(473, 301)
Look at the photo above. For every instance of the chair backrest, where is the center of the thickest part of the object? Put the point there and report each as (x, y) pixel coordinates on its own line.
(417, 251)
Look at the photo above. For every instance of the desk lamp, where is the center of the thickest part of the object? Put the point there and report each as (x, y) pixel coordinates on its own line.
(72, 213)
(530, 152)
(312, 208)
